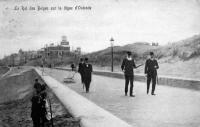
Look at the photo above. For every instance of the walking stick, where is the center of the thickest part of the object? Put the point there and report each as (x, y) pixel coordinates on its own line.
(83, 86)
(42, 70)
(157, 79)
(139, 65)
(51, 112)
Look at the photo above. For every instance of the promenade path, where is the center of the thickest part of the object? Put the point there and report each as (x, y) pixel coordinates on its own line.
(171, 107)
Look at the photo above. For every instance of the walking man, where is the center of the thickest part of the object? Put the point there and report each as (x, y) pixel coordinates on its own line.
(36, 104)
(37, 86)
(38, 108)
(127, 67)
(81, 70)
(150, 71)
(87, 74)
(35, 110)
(73, 67)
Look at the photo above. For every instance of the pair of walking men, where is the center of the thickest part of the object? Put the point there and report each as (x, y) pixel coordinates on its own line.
(85, 70)
(39, 105)
(151, 67)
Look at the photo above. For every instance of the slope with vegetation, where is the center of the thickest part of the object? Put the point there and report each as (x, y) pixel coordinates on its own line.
(103, 57)
(176, 59)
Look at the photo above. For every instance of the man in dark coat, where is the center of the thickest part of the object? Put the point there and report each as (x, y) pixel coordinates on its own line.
(43, 110)
(81, 70)
(35, 110)
(87, 74)
(127, 67)
(73, 67)
(150, 71)
(38, 108)
(37, 86)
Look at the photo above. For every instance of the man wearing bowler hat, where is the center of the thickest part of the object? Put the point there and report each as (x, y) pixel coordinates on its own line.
(150, 71)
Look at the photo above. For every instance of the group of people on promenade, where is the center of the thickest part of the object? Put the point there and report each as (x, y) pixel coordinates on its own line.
(40, 110)
(128, 65)
(40, 105)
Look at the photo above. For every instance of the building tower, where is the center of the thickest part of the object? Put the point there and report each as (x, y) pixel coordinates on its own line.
(64, 42)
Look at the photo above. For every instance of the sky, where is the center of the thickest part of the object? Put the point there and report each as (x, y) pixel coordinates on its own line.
(127, 21)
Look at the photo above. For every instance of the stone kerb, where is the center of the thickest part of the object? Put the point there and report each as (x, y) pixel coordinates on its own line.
(180, 82)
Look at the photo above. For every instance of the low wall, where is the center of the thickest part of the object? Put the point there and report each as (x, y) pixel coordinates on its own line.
(193, 84)
(3, 70)
(90, 114)
(17, 85)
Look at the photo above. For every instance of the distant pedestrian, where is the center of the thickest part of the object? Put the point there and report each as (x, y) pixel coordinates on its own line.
(127, 67)
(150, 71)
(87, 74)
(73, 68)
(37, 86)
(81, 70)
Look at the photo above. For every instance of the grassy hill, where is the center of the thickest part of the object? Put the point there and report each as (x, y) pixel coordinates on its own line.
(183, 50)
(180, 58)
(103, 57)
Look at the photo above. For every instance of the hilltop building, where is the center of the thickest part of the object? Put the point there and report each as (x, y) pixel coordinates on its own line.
(155, 44)
(60, 50)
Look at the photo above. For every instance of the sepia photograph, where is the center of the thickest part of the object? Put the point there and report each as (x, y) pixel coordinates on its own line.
(99, 63)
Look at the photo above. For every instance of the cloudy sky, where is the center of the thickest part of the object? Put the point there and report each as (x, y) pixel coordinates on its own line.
(127, 21)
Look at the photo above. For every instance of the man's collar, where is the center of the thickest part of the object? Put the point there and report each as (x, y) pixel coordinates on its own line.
(129, 58)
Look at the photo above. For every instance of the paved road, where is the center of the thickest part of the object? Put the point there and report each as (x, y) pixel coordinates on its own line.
(171, 107)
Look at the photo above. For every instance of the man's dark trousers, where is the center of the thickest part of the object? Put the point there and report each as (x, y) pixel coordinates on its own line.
(151, 77)
(82, 78)
(87, 81)
(36, 121)
(129, 78)
(87, 85)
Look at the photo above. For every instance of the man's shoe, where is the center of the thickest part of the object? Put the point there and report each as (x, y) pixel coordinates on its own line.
(132, 95)
(153, 94)
(125, 94)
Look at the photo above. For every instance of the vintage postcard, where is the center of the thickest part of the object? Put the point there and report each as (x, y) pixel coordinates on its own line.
(99, 63)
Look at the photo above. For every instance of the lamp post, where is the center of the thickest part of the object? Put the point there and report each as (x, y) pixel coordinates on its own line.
(112, 43)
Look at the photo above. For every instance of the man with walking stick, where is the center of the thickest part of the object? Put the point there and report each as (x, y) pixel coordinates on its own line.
(150, 71)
